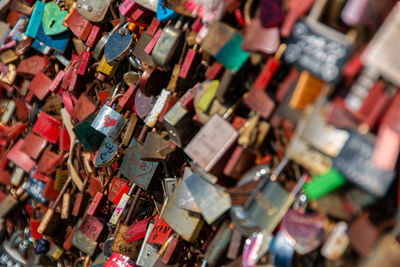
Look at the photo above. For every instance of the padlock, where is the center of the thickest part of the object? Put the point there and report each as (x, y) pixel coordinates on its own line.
(208, 158)
(8, 56)
(147, 253)
(119, 186)
(36, 20)
(311, 29)
(47, 127)
(81, 199)
(128, 99)
(12, 200)
(45, 43)
(7, 110)
(83, 242)
(156, 147)
(337, 242)
(93, 37)
(139, 171)
(152, 118)
(138, 230)
(356, 143)
(121, 246)
(219, 244)
(9, 78)
(160, 232)
(51, 218)
(165, 14)
(122, 204)
(33, 145)
(167, 46)
(78, 25)
(223, 48)
(152, 81)
(220, 203)
(83, 63)
(104, 68)
(85, 106)
(323, 184)
(178, 120)
(143, 104)
(40, 85)
(380, 46)
(109, 151)
(92, 10)
(52, 19)
(98, 200)
(21, 8)
(66, 204)
(17, 176)
(258, 100)
(140, 52)
(87, 135)
(19, 158)
(98, 50)
(48, 161)
(92, 227)
(118, 45)
(108, 121)
(185, 223)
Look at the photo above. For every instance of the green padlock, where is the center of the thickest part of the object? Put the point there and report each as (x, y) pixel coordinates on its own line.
(323, 184)
(52, 19)
(89, 137)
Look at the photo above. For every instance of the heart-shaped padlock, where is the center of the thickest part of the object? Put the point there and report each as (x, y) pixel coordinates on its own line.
(93, 10)
(52, 19)
(117, 46)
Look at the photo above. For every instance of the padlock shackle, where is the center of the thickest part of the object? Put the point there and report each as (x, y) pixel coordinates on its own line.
(60, 195)
(133, 206)
(115, 98)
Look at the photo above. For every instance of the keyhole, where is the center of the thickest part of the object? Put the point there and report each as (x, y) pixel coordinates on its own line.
(52, 23)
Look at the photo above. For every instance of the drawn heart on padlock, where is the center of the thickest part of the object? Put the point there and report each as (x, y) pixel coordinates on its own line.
(116, 46)
(108, 121)
(52, 19)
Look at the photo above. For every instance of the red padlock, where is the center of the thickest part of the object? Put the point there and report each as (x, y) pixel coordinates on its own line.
(31, 66)
(160, 233)
(40, 86)
(48, 161)
(92, 227)
(47, 127)
(118, 188)
(21, 159)
(55, 85)
(80, 26)
(33, 145)
(84, 62)
(94, 36)
(64, 141)
(128, 99)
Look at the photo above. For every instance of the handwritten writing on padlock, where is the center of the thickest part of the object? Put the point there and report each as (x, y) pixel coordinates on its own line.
(134, 168)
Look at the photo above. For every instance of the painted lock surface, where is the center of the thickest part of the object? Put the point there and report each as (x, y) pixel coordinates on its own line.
(109, 122)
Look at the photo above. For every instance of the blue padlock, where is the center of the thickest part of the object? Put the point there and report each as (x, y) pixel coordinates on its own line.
(36, 20)
(165, 14)
(58, 42)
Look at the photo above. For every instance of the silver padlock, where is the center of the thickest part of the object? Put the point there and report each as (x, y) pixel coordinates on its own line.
(108, 121)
